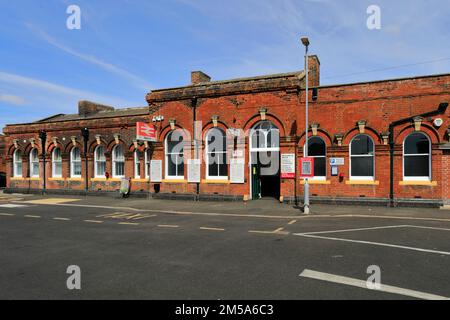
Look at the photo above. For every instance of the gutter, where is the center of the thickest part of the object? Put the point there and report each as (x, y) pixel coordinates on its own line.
(440, 110)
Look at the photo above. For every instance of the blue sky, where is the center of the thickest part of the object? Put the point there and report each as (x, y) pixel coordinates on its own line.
(125, 48)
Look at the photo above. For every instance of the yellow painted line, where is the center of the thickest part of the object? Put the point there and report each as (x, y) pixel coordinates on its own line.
(129, 223)
(93, 221)
(51, 201)
(212, 229)
(6, 214)
(168, 226)
(61, 219)
(292, 222)
(35, 217)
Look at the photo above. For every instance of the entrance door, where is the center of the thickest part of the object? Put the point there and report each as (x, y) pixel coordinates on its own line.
(265, 160)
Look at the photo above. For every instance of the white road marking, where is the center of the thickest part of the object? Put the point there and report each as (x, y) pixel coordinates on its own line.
(6, 214)
(168, 226)
(363, 284)
(374, 243)
(129, 223)
(212, 229)
(32, 216)
(10, 205)
(93, 221)
(61, 219)
(358, 229)
(431, 228)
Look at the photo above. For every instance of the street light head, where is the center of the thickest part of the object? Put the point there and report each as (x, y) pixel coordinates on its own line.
(305, 41)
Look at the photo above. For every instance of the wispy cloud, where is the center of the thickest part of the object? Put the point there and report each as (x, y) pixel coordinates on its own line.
(136, 80)
(12, 99)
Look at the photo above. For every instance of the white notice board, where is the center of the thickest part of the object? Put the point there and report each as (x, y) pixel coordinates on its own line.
(156, 170)
(194, 170)
(237, 170)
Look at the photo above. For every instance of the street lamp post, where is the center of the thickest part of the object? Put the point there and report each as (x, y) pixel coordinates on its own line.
(305, 42)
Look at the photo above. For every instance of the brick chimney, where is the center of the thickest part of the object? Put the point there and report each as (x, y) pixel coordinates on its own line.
(87, 107)
(199, 77)
(314, 71)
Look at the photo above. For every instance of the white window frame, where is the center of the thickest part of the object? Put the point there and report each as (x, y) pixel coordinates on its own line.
(147, 163)
(166, 157)
(369, 178)
(319, 178)
(96, 160)
(207, 152)
(73, 162)
(54, 162)
(115, 161)
(32, 162)
(137, 165)
(424, 178)
(16, 162)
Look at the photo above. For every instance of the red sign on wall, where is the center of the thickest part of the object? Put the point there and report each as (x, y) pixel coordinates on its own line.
(307, 167)
(145, 132)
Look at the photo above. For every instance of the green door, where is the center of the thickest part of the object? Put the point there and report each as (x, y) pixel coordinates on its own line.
(256, 182)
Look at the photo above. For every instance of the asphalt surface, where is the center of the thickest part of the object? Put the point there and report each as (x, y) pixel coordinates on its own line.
(160, 253)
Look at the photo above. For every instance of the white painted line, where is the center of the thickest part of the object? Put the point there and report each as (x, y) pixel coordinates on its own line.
(168, 226)
(93, 221)
(358, 229)
(374, 243)
(212, 229)
(292, 222)
(31, 216)
(61, 219)
(10, 205)
(129, 223)
(6, 214)
(431, 228)
(363, 284)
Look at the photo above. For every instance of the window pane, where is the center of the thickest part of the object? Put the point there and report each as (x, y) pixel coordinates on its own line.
(76, 156)
(58, 168)
(174, 142)
(320, 167)
(417, 143)
(35, 169)
(171, 167)
(417, 166)
(212, 166)
(316, 147)
(100, 154)
(77, 169)
(362, 144)
(180, 165)
(223, 170)
(362, 167)
(57, 154)
(101, 168)
(120, 168)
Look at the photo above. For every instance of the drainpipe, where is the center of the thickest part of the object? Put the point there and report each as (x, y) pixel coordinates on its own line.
(194, 116)
(43, 137)
(85, 134)
(440, 110)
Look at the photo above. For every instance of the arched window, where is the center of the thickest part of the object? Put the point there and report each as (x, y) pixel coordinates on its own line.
(137, 164)
(148, 157)
(17, 163)
(174, 155)
(362, 166)
(34, 163)
(75, 163)
(317, 150)
(216, 154)
(56, 163)
(417, 157)
(265, 135)
(100, 162)
(118, 162)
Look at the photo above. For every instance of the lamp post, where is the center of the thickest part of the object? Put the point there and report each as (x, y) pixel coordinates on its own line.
(85, 135)
(43, 137)
(305, 42)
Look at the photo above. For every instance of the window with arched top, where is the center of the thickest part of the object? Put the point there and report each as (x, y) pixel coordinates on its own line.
(17, 164)
(174, 155)
(317, 150)
(148, 157)
(417, 157)
(118, 162)
(56, 163)
(265, 136)
(34, 163)
(362, 158)
(216, 154)
(137, 164)
(100, 162)
(75, 163)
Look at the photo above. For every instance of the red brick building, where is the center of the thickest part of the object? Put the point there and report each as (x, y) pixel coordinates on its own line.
(388, 141)
(2, 162)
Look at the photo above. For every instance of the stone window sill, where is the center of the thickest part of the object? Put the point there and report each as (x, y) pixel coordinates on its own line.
(363, 182)
(312, 181)
(418, 183)
(212, 181)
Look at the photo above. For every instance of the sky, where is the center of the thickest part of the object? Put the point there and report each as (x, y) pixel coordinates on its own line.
(126, 48)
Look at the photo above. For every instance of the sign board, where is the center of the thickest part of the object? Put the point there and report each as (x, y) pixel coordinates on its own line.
(237, 166)
(156, 170)
(145, 132)
(337, 161)
(194, 170)
(287, 166)
(307, 167)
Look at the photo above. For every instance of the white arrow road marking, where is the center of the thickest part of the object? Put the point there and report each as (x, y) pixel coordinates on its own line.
(363, 284)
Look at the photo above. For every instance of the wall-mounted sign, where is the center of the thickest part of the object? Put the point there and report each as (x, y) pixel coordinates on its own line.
(145, 132)
(337, 161)
(287, 166)
(237, 167)
(194, 170)
(156, 170)
(307, 167)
